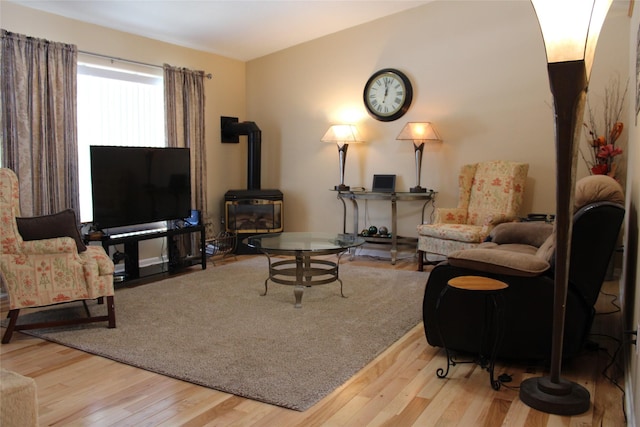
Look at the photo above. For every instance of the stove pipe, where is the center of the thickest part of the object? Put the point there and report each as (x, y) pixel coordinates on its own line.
(231, 130)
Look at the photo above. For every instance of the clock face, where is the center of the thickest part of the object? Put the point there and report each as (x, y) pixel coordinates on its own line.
(388, 94)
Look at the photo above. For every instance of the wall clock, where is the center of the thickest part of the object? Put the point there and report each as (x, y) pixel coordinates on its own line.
(388, 94)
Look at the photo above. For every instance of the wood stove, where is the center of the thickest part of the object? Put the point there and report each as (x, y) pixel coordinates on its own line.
(253, 210)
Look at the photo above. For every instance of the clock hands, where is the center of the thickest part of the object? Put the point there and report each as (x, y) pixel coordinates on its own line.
(386, 90)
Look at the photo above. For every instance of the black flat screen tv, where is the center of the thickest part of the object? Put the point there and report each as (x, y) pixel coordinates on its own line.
(139, 185)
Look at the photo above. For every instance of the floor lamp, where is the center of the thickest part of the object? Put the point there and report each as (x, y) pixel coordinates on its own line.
(570, 29)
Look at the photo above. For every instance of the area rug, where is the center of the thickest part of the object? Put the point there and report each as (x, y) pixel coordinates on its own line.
(213, 328)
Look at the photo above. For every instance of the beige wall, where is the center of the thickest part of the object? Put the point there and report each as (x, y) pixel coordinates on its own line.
(479, 74)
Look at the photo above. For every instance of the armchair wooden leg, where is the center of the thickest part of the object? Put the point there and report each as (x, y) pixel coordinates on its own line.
(111, 311)
(13, 318)
(420, 260)
(86, 307)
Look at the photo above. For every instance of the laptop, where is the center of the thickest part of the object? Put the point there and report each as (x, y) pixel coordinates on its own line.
(384, 184)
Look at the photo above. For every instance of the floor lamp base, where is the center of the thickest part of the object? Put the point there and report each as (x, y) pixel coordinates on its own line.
(342, 187)
(563, 398)
(417, 189)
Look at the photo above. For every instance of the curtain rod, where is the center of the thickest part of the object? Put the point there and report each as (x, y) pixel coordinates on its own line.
(208, 75)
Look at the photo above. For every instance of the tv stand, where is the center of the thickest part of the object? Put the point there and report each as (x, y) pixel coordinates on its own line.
(132, 270)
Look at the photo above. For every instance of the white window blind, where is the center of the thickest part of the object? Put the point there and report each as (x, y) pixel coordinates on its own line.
(121, 107)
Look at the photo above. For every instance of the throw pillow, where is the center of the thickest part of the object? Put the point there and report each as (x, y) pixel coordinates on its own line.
(61, 224)
(529, 233)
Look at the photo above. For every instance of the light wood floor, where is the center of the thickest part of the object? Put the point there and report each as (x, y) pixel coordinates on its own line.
(399, 388)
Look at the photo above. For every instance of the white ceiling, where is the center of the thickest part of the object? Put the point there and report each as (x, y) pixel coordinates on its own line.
(239, 29)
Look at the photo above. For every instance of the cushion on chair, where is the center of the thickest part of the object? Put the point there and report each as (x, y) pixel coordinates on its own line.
(61, 224)
(457, 232)
(442, 246)
(522, 248)
(597, 188)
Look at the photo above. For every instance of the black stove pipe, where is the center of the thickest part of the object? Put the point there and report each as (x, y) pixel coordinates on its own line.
(231, 130)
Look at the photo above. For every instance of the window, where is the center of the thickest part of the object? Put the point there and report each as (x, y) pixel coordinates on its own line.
(116, 106)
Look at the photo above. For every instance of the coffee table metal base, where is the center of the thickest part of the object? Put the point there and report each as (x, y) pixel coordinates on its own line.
(301, 272)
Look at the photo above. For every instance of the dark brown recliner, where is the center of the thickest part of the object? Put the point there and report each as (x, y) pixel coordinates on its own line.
(528, 301)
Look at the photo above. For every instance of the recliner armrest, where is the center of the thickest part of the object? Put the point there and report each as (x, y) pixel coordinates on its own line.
(496, 261)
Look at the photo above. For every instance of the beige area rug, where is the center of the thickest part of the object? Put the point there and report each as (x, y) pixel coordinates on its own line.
(211, 327)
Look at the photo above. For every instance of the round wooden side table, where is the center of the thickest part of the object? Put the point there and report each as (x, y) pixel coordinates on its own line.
(492, 289)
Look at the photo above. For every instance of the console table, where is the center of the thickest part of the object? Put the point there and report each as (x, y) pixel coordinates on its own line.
(395, 240)
(131, 240)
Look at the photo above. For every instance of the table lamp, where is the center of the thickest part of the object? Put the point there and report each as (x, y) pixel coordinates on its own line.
(342, 135)
(419, 133)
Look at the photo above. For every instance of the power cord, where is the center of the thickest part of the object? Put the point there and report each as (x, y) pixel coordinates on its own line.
(613, 360)
(505, 379)
(614, 298)
(118, 256)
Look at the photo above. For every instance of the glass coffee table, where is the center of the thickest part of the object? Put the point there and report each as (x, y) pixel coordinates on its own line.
(303, 270)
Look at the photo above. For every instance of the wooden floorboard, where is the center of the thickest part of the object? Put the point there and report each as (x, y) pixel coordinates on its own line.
(398, 388)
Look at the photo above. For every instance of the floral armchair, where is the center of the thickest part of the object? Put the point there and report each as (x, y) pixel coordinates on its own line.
(43, 261)
(490, 193)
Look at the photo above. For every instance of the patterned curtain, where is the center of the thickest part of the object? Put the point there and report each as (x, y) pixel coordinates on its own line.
(39, 138)
(184, 123)
(184, 118)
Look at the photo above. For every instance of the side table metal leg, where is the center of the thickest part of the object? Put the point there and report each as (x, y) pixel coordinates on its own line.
(356, 228)
(337, 274)
(497, 319)
(441, 373)
(267, 279)
(307, 269)
(298, 289)
(394, 230)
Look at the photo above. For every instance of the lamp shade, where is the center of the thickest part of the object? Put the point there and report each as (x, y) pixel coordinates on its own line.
(342, 134)
(570, 28)
(419, 131)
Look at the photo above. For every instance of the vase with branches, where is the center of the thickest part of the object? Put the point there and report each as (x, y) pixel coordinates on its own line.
(602, 135)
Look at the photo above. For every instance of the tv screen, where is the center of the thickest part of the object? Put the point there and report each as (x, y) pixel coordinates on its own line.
(139, 185)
